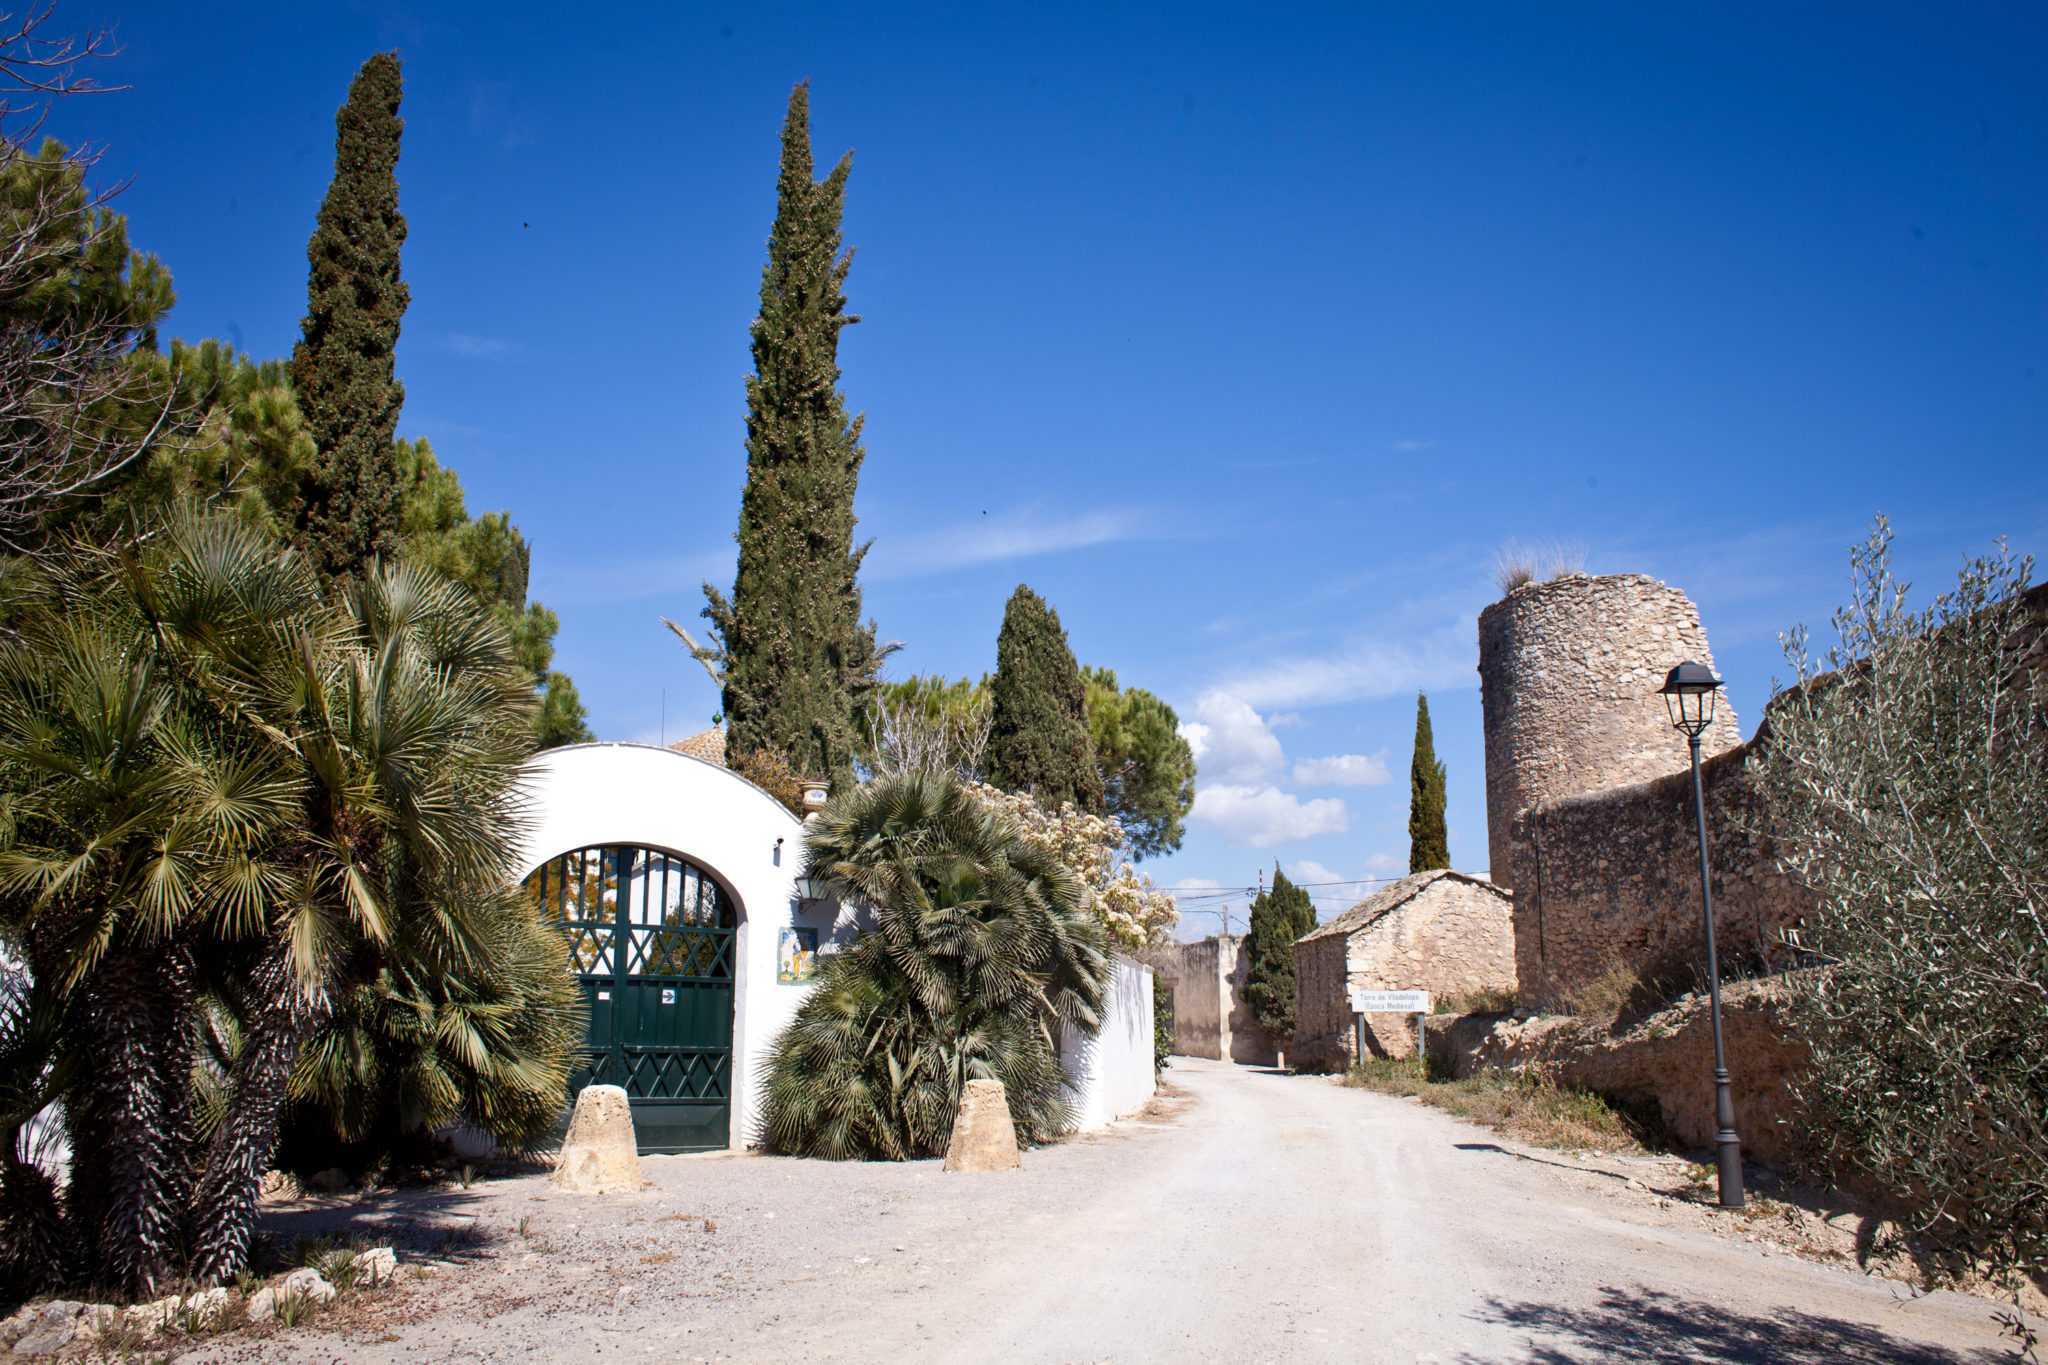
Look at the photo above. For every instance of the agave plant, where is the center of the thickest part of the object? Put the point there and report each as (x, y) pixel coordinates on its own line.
(238, 797)
(982, 947)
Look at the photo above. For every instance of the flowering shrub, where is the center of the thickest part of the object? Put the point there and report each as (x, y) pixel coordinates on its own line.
(1132, 909)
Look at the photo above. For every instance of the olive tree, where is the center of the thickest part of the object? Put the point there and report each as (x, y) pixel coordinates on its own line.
(1904, 780)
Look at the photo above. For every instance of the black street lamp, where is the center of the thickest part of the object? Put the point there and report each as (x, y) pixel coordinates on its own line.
(1689, 696)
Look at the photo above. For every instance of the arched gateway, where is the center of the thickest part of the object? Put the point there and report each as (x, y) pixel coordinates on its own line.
(674, 882)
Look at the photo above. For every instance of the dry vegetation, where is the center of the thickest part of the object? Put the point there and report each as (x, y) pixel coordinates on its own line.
(1523, 1105)
(1517, 564)
(1500, 1000)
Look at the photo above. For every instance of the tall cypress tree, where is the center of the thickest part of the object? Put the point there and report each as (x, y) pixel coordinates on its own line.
(1279, 918)
(1429, 843)
(798, 664)
(342, 368)
(1038, 738)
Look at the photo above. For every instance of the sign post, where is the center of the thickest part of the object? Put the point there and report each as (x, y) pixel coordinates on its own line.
(1393, 1002)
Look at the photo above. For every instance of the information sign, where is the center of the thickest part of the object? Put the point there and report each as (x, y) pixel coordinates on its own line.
(1390, 1002)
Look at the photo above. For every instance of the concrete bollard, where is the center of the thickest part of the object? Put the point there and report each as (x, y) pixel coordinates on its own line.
(984, 1138)
(600, 1154)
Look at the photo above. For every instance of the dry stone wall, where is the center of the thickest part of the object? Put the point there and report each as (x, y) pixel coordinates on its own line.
(1568, 676)
(1612, 879)
(1440, 932)
(1666, 1060)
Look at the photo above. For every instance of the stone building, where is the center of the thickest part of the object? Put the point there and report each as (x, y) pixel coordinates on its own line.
(1210, 1016)
(1568, 675)
(1589, 789)
(1441, 932)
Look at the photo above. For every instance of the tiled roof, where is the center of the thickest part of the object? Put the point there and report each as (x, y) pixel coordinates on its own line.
(708, 745)
(1390, 898)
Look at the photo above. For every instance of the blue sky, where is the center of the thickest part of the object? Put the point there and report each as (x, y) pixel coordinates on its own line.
(1246, 336)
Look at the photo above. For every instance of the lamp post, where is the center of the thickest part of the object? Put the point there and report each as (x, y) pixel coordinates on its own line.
(1689, 696)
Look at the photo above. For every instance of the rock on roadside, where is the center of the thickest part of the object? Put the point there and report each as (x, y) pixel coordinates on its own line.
(44, 1329)
(599, 1154)
(984, 1137)
(308, 1283)
(376, 1266)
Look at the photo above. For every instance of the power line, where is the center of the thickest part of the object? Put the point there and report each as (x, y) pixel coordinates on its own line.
(1211, 893)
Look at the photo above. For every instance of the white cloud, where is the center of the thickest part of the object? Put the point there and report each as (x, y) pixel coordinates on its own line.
(1262, 816)
(1382, 862)
(1343, 770)
(989, 539)
(1309, 872)
(470, 344)
(1231, 741)
(1441, 660)
(1409, 447)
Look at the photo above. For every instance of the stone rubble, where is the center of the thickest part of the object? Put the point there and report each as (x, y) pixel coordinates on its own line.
(43, 1329)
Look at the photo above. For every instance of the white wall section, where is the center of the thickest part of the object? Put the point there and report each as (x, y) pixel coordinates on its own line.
(1111, 1073)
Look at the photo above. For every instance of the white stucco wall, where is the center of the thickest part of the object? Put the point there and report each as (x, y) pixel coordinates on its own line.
(46, 1144)
(589, 794)
(1112, 1073)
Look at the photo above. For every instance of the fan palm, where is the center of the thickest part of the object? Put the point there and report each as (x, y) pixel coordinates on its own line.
(239, 794)
(982, 947)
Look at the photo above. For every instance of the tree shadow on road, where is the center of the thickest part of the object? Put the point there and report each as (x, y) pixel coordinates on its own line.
(1499, 1150)
(1648, 1325)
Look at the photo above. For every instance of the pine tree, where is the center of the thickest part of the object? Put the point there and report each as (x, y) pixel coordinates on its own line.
(342, 368)
(1147, 766)
(1038, 732)
(1429, 843)
(1279, 918)
(798, 664)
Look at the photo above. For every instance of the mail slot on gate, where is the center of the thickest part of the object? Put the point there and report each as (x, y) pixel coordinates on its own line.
(1390, 1002)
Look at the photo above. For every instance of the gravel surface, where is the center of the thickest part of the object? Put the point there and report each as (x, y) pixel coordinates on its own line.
(1252, 1216)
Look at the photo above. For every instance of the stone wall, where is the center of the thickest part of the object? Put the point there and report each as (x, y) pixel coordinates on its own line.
(1210, 1016)
(1441, 932)
(1568, 676)
(1612, 877)
(1667, 1061)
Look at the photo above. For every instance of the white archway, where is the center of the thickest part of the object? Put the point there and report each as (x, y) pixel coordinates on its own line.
(586, 795)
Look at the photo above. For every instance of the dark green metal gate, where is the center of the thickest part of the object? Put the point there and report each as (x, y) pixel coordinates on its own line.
(651, 937)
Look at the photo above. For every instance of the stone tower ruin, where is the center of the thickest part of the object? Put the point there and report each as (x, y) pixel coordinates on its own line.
(1568, 677)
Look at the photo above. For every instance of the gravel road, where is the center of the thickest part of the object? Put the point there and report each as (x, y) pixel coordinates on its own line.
(1258, 1217)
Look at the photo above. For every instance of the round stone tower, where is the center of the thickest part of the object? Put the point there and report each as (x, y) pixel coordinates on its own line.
(1568, 677)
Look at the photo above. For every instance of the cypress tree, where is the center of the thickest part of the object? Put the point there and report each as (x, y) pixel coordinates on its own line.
(1279, 918)
(1429, 843)
(798, 665)
(342, 368)
(1038, 710)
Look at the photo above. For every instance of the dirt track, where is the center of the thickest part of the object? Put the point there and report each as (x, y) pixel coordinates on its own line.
(1267, 1218)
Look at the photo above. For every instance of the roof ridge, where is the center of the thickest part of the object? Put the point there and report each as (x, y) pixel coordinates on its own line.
(1398, 893)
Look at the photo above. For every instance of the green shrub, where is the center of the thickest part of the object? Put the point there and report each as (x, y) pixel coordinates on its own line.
(1162, 1022)
(1907, 787)
(983, 946)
